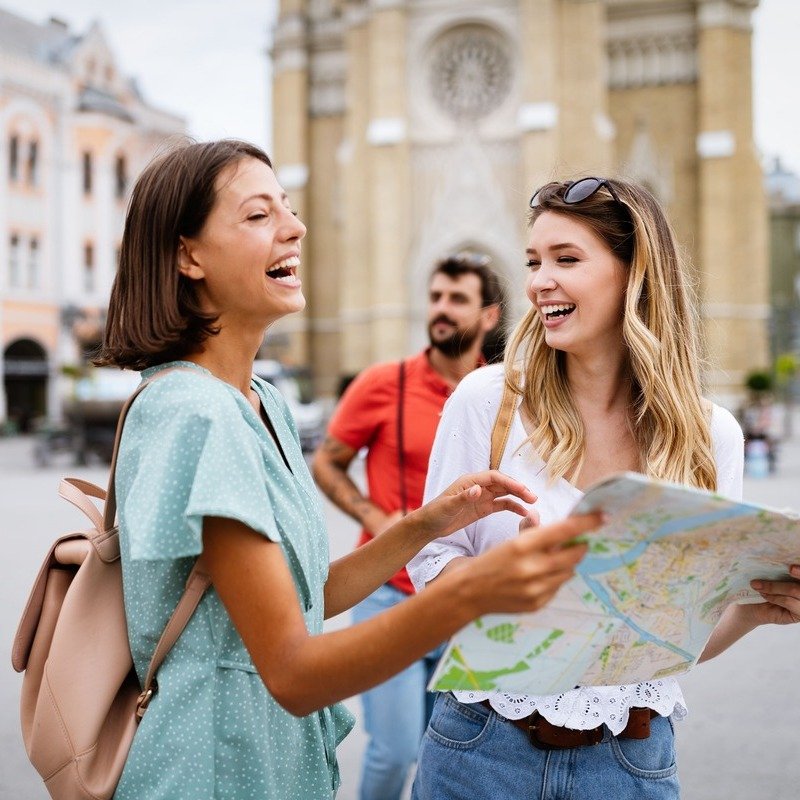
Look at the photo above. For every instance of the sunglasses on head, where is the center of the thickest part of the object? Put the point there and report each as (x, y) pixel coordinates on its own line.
(578, 191)
(467, 258)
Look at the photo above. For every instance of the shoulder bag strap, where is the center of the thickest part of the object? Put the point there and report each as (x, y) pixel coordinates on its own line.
(502, 425)
(401, 455)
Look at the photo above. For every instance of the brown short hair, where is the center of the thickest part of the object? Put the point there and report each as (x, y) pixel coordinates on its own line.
(154, 315)
(469, 263)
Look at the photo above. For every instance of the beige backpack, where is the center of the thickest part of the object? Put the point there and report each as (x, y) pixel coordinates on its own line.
(81, 699)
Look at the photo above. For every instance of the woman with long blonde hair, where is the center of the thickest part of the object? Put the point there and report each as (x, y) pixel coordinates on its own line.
(605, 366)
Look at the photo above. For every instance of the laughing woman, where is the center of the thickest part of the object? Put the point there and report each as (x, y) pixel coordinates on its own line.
(605, 369)
(210, 466)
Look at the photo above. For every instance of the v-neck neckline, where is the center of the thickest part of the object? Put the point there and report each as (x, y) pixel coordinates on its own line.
(265, 420)
(571, 487)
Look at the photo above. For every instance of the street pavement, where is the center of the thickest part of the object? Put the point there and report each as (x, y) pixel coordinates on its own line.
(739, 742)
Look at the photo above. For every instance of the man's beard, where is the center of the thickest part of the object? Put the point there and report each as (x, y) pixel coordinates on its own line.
(458, 343)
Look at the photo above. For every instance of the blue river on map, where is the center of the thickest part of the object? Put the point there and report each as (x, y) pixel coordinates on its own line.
(595, 564)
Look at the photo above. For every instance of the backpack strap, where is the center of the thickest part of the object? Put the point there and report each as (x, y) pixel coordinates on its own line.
(75, 491)
(502, 425)
(196, 584)
(110, 511)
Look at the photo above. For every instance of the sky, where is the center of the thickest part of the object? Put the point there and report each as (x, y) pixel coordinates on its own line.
(173, 47)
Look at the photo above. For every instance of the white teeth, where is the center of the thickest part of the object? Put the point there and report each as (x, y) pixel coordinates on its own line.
(288, 263)
(562, 307)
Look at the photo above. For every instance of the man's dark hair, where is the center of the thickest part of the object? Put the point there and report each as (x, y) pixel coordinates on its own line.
(469, 263)
(154, 314)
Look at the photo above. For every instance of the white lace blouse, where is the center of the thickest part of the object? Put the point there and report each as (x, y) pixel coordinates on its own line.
(462, 446)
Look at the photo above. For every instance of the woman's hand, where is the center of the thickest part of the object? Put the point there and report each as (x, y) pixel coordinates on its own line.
(782, 606)
(469, 499)
(525, 572)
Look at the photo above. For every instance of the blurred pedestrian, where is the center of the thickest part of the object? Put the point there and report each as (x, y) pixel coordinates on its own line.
(392, 409)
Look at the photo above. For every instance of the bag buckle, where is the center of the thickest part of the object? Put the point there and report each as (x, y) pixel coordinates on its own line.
(144, 700)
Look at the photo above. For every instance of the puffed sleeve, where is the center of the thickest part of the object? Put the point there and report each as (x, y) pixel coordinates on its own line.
(190, 454)
(461, 446)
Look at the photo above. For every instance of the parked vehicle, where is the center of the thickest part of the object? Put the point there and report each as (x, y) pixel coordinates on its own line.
(91, 413)
(90, 417)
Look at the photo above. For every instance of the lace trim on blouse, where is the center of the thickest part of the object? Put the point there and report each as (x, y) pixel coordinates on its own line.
(588, 706)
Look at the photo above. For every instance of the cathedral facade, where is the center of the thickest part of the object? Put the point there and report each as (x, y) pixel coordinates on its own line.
(405, 130)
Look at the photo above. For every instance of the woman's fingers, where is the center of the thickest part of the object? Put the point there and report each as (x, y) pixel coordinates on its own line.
(507, 504)
(530, 520)
(785, 594)
(523, 573)
(497, 483)
(535, 593)
(782, 598)
(563, 532)
(788, 588)
(562, 558)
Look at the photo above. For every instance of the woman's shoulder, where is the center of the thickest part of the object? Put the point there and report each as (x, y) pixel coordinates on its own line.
(181, 392)
(725, 428)
(484, 382)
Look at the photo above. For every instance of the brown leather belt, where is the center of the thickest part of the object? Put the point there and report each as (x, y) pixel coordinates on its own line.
(546, 736)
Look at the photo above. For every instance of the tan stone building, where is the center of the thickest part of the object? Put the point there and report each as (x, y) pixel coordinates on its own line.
(406, 129)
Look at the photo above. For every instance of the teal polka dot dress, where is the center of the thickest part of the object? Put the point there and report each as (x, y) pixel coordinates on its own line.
(194, 447)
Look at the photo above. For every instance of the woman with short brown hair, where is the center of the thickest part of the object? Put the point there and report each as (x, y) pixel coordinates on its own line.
(210, 466)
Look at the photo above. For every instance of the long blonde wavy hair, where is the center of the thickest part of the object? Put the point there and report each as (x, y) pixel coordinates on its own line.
(668, 418)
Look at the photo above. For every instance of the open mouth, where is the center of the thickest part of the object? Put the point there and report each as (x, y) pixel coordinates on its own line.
(556, 311)
(284, 271)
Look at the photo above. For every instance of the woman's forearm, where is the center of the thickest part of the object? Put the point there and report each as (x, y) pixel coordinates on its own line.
(736, 621)
(359, 573)
(305, 672)
(468, 499)
(357, 658)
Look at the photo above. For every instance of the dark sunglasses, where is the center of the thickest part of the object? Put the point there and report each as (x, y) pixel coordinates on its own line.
(578, 191)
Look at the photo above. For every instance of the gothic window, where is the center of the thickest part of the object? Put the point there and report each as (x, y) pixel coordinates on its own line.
(33, 162)
(13, 158)
(88, 268)
(33, 263)
(87, 173)
(470, 72)
(120, 177)
(13, 260)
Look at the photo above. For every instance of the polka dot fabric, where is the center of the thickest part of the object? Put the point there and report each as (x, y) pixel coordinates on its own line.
(194, 447)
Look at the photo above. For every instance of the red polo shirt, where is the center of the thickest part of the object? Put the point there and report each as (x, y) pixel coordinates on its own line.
(367, 417)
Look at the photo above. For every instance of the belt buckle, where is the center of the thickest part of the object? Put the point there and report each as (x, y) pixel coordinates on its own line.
(533, 736)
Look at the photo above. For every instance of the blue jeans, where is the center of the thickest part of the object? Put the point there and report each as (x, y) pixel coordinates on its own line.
(395, 713)
(471, 753)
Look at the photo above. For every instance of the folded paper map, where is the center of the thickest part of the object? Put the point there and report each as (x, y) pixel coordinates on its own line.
(644, 601)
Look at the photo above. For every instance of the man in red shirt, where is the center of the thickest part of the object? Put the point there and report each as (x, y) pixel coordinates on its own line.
(393, 410)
